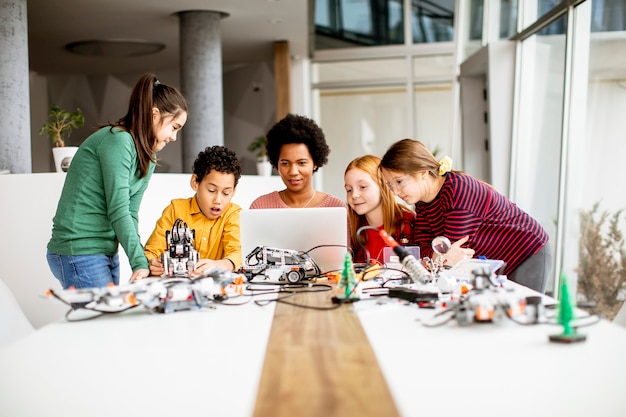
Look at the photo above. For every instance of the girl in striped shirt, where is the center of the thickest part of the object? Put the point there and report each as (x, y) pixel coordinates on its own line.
(473, 215)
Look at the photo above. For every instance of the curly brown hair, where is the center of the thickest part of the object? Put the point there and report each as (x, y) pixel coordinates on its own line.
(218, 158)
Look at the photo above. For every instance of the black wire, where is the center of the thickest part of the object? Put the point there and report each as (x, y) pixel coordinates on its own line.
(328, 246)
(378, 271)
(368, 257)
(71, 320)
(225, 303)
(303, 282)
(264, 303)
(331, 307)
(96, 310)
(454, 310)
(303, 288)
(575, 324)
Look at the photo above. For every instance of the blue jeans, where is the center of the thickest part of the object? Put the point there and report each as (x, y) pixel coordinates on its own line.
(84, 271)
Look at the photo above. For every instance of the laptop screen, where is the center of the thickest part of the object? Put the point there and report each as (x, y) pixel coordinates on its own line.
(320, 231)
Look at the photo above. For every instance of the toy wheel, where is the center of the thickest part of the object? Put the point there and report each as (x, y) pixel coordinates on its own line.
(293, 276)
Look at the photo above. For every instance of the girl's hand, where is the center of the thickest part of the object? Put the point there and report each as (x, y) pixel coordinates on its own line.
(457, 253)
(140, 274)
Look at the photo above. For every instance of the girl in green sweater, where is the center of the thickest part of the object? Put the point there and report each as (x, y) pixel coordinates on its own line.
(104, 187)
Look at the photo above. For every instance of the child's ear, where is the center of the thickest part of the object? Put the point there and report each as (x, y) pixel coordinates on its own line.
(194, 182)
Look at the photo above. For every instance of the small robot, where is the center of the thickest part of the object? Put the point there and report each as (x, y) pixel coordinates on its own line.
(279, 265)
(158, 295)
(180, 256)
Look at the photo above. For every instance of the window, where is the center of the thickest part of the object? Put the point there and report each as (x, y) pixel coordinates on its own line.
(358, 23)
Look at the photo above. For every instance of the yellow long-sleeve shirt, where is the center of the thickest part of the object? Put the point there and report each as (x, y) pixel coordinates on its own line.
(214, 239)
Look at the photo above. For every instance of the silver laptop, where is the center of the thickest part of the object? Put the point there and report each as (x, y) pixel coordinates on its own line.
(321, 232)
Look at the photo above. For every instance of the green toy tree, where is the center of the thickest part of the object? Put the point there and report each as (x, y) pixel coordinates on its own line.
(348, 283)
(566, 315)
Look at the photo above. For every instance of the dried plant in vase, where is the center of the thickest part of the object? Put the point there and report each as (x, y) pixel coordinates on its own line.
(602, 260)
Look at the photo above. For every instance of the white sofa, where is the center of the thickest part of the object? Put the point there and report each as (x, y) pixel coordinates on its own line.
(29, 202)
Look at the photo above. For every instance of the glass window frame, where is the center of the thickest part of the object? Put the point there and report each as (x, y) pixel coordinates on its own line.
(577, 37)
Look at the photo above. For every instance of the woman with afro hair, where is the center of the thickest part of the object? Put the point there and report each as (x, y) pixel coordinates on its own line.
(297, 148)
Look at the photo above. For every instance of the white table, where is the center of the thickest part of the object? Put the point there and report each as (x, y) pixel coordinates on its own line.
(204, 362)
(210, 362)
(495, 369)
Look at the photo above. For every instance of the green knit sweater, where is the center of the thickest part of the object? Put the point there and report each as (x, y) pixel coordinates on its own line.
(100, 200)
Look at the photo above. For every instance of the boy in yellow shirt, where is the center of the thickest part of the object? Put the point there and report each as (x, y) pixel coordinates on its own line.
(216, 172)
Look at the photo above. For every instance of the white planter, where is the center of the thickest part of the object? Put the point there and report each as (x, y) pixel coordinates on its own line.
(264, 167)
(63, 157)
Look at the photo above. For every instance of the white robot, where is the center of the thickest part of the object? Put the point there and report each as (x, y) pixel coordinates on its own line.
(180, 256)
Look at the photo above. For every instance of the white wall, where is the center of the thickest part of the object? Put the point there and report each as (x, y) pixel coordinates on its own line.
(249, 110)
(368, 121)
(28, 205)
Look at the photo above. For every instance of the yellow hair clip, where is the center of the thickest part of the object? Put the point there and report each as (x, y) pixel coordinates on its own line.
(445, 165)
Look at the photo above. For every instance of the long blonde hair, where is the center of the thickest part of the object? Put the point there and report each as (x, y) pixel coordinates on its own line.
(393, 212)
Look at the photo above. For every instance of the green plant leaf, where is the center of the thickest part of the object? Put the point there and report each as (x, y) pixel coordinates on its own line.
(61, 123)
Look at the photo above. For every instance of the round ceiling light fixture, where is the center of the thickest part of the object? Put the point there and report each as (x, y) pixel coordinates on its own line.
(115, 48)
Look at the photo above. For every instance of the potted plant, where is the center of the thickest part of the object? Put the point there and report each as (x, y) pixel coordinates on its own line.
(58, 128)
(602, 260)
(258, 145)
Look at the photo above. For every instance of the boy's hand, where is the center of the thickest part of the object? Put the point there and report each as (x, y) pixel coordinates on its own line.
(202, 266)
(156, 267)
(207, 264)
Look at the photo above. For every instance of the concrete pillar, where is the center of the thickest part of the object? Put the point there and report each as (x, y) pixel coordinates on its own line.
(14, 88)
(201, 81)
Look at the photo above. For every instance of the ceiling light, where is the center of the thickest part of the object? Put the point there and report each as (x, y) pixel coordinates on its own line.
(115, 48)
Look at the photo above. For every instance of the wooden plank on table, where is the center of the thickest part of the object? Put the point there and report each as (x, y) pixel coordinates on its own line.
(320, 363)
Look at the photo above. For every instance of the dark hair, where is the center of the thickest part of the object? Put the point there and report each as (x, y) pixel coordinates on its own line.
(216, 158)
(148, 93)
(297, 129)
